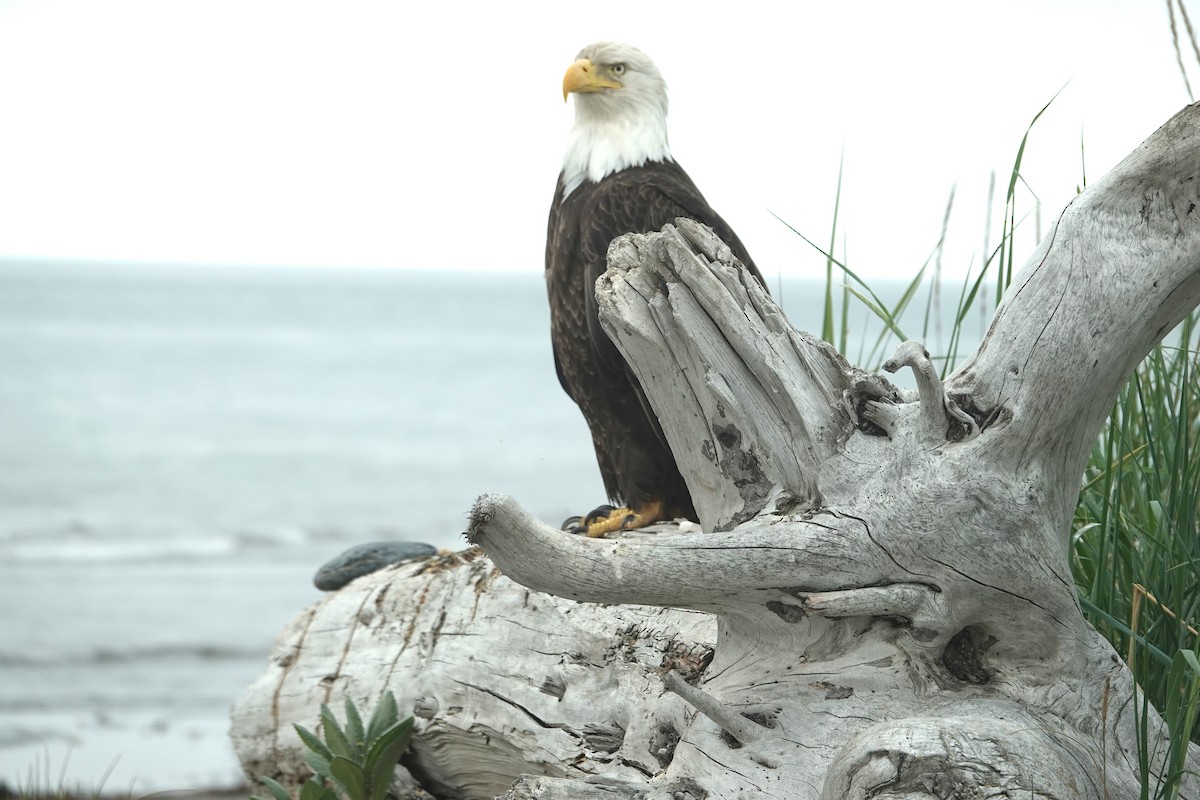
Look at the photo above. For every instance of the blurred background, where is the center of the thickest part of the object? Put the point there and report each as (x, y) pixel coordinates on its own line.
(270, 285)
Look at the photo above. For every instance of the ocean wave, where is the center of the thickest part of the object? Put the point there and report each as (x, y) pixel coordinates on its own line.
(113, 551)
(106, 656)
(77, 543)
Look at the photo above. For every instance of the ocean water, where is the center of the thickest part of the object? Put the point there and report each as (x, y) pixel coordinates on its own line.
(181, 448)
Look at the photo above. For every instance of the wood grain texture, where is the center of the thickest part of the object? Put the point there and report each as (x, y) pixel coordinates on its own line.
(502, 681)
(886, 571)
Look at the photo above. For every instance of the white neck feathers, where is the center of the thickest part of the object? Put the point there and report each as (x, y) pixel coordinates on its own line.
(610, 136)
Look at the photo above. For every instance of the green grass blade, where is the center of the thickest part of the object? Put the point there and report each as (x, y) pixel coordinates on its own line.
(899, 308)
(878, 310)
(1182, 709)
(877, 305)
(827, 323)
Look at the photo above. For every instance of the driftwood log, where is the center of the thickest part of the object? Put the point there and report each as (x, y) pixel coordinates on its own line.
(879, 603)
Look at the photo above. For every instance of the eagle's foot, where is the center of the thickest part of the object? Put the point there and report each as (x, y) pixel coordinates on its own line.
(606, 519)
(579, 524)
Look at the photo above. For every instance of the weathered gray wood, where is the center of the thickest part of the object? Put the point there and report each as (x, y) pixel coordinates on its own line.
(1115, 274)
(537, 787)
(501, 680)
(915, 605)
(712, 346)
(887, 570)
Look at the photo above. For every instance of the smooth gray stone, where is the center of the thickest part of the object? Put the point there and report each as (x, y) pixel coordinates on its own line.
(364, 559)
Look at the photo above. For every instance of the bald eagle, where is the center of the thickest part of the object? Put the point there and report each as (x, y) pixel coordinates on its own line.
(618, 177)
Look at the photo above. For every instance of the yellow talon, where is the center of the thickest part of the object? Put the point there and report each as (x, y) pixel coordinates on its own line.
(626, 519)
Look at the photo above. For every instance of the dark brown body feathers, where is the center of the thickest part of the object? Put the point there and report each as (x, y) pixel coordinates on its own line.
(632, 453)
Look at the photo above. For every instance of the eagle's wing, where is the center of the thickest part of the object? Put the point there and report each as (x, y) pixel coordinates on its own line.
(641, 200)
(632, 453)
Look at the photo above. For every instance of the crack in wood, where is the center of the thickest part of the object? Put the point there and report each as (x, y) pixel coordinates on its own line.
(884, 550)
(1013, 595)
(532, 716)
(290, 659)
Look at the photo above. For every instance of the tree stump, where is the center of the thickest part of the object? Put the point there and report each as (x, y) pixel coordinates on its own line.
(879, 602)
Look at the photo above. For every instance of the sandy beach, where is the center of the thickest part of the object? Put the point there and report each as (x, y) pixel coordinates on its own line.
(239, 793)
(125, 755)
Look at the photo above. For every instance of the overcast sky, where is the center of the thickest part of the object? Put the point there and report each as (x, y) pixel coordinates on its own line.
(429, 135)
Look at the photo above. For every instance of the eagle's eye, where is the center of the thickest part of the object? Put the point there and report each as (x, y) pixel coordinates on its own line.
(618, 69)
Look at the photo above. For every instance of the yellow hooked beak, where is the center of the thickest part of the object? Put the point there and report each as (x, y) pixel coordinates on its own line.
(582, 77)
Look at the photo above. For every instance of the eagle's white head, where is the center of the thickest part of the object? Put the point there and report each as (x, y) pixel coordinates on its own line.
(620, 113)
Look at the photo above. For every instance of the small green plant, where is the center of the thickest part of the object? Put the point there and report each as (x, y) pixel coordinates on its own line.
(355, 762)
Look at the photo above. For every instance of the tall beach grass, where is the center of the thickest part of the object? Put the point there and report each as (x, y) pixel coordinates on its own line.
(1135, 544)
